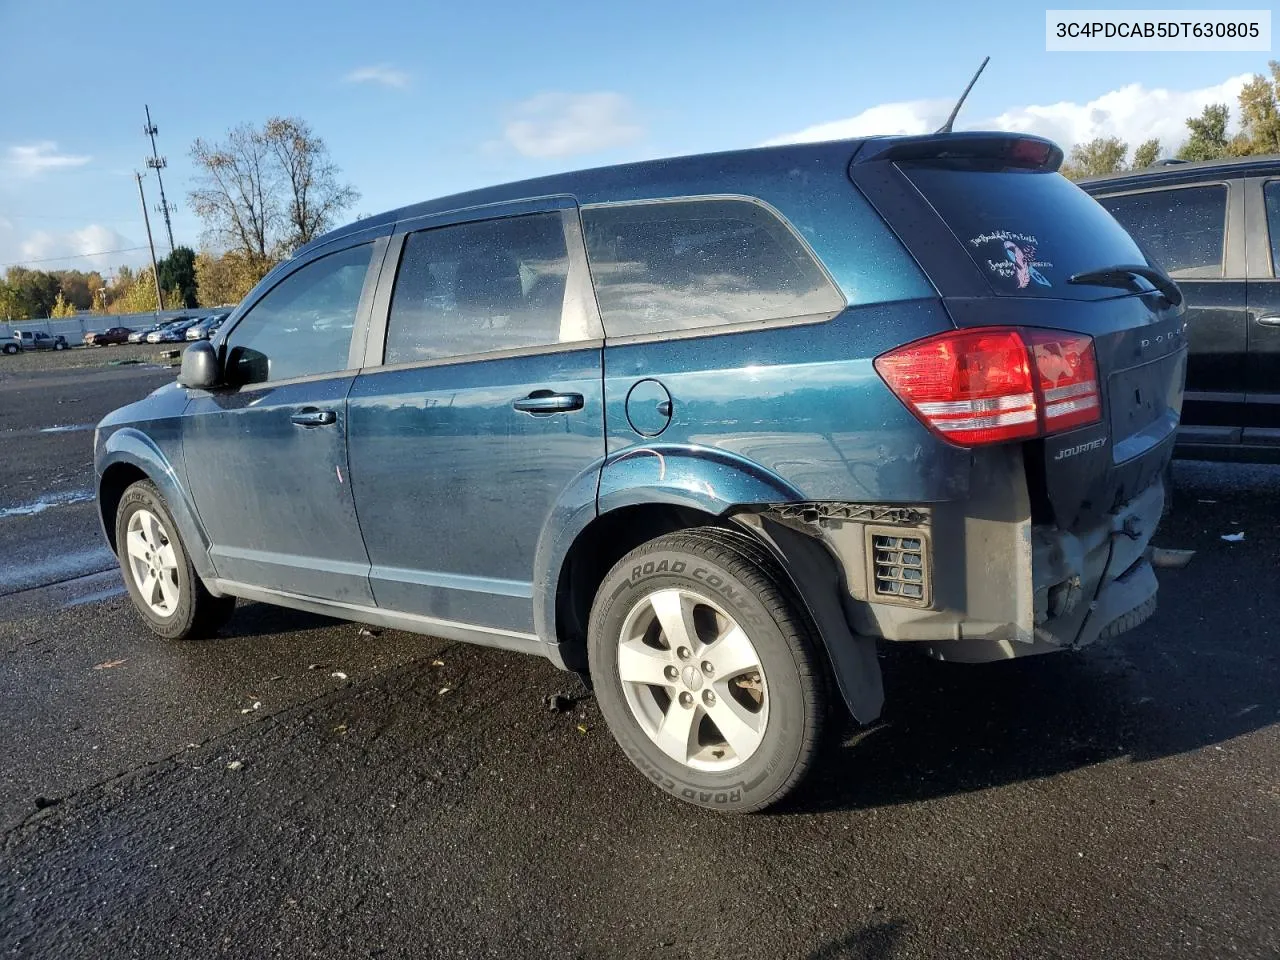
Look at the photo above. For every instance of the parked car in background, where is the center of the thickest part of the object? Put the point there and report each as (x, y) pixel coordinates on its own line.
(112, 335)
(172, 332)
(205, 327)
(35, 340)
(704, 428)
(1215, 227)
(140, 336)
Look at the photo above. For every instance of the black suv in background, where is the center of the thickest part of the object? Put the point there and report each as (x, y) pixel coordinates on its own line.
(1215, 227)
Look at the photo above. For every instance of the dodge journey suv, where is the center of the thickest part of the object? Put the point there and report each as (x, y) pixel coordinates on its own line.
(703, 429)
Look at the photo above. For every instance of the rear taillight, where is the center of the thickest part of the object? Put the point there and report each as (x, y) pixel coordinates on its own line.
(995, 384)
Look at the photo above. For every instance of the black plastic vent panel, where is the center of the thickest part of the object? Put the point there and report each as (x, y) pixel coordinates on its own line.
(900, 566)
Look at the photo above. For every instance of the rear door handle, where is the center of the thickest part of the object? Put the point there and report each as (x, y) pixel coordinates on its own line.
(314, 418)
(1271, 321)
(543, 403)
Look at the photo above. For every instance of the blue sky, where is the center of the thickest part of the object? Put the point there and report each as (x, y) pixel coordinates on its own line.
(421, 99)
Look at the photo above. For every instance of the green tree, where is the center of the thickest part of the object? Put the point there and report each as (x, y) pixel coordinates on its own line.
(133, 292)
(35, 291)
(77, 287)
(61, 308)
(178, 273)
(1099, 156)
(1146, 154)
(1208, 140)
(225, 279)
(11, 307)
(1259, 115)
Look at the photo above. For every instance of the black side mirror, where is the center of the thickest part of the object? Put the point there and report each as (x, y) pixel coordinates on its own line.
(200, 367)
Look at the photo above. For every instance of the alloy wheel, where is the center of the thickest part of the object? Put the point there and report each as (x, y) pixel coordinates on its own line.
(693, 680)
(153, 563)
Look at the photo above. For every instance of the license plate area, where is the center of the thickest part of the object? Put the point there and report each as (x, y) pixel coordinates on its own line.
(1142, 399)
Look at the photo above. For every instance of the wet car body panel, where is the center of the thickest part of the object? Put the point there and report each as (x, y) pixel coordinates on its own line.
(463, 521)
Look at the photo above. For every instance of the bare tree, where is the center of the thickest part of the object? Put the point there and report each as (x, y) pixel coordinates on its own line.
(262, 193)
(314, 197)
(236, 193)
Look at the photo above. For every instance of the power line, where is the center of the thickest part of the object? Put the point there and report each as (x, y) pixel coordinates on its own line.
(72, 256)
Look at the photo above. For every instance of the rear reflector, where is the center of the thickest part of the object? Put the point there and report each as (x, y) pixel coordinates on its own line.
(996, 384)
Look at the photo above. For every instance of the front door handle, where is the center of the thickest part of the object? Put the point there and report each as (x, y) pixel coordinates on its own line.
(1271, 321)
(314, 418)
(543, 403)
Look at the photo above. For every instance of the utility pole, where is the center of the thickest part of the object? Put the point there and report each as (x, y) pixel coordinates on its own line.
(155, 271)
(158, 163)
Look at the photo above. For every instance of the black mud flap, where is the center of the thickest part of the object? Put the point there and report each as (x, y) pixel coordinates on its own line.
(814, 574)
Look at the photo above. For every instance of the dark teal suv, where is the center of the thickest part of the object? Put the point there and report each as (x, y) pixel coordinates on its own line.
(705, 429)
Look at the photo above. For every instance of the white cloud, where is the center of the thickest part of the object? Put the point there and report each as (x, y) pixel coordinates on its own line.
(887, 119)
(82, 249)
(1133, 113)
(564, 124)
(381, 73)
(33, 159)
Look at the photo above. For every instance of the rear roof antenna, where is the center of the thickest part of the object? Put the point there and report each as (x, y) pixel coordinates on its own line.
(946, 127)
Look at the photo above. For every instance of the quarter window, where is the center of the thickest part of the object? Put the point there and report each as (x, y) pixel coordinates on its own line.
(483, 287)
(1184, 230)
(1271, 193)
(687, 264)
(303, 325)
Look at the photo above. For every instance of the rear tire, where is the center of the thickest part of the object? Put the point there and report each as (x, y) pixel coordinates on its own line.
(164, 586)
(707, 670)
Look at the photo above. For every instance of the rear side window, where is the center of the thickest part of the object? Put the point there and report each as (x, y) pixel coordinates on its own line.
(1271, 192)
(1028, 231)
(303, 325)
(687, 264)
(1183, 229)
(483, 287)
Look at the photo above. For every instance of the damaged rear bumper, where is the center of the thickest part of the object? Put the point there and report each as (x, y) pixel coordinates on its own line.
(977, 580)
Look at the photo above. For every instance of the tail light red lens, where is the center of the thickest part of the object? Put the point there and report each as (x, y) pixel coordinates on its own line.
(996, 384)
(1068, 379)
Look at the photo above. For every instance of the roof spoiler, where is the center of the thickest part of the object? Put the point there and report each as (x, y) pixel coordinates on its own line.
(1009, 149)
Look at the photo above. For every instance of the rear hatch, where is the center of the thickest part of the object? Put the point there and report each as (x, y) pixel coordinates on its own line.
(1026, 231)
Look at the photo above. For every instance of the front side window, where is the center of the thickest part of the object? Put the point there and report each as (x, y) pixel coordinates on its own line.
(303, 325)
(484, 287)
(1184, 230)
(686, 264)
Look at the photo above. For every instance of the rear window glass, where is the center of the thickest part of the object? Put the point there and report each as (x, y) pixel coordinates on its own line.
(1184, 230)
(1027, 231)
(688, 264)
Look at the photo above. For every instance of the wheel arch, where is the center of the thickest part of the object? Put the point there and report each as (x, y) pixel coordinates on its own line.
(640, 494)
(128, 455)
(810, 571)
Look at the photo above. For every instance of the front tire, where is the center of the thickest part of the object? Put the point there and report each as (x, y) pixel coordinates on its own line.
(707, 670)
(164, 586)
(59, 345)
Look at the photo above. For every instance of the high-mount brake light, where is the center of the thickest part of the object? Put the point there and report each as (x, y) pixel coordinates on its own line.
(995, 384)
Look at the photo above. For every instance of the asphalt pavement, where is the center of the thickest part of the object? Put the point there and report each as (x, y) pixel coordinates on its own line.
(303, 787)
